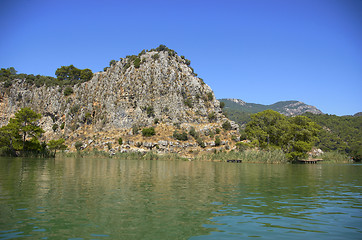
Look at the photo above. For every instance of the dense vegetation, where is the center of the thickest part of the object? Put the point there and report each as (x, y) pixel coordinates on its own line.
(20, 137)
(295, 136)
(66, 75)
(339, 133)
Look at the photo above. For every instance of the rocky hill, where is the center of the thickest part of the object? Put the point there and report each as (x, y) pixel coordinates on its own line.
(156, 88)
(288, 108)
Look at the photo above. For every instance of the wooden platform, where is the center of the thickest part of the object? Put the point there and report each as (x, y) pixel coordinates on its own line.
(234, 161)
(310, 161)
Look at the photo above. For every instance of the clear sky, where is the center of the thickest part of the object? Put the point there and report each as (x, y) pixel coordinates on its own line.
(260, 51)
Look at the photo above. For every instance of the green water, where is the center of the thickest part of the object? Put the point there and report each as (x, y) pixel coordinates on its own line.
(118, 199)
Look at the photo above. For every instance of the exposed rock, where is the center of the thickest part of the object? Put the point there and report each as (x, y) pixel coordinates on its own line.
(124, 96)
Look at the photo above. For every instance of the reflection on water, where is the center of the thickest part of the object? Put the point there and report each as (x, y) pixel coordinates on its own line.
(118, 199)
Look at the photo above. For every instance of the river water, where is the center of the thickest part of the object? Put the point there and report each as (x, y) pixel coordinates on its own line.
(131, 199)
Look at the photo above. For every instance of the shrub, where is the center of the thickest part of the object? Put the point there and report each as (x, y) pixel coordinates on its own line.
(68, 91)
(211, 116)
(148, 132)
(62, 126)
(200, 142)
(78, 145)
(193, 132)
(222, 104)
(88, 118)
(217, 130)
(226, 125)
(155, 56)
(150, 112)
(120, 141)
(217, 141)
(55, 127)
(188, 102)
(135, 130)
(137, 62)
(74, 109)
(156, 121)
(210, 97)
(180, 136)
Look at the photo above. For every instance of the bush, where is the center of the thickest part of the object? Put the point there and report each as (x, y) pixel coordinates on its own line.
(210, 97)
(217, 141)
(135, 130)
(193, 132)
(226, 125)
(150, 112)
(68, 91)
(188, 102)
(137, 62)
(78, 145)
(211, 116)
(120, 141)
(156, 121)
(180, 136)
(74, 109)
(200, 142)
(217, 130)
(55, 127)
(222, 104)
(62, 126)
(155, 56)
(148, 132)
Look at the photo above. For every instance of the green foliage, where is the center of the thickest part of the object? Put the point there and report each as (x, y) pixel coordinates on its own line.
(340, 133)
(200, 142)
(211, 116)
(155, 56)
(74, 109)
(135, 130)
(217, 130)
(68, 91)
(210, 96)
(217, 141)
(295, 136)
(193, 133)
(226, 125)
(72, 75)
(148, 132)
(156, 121)
(137, 62)
(188, 102)
(21, 133)
(55, 145)
(55, 127)
(150, 111)
(222, 104)
(180, 136)
(87, 118)
(112, 62)
(78, 145)
(62, 126)
(120, 141)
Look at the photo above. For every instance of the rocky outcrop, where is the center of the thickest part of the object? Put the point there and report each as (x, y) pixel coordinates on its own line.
(160, 88)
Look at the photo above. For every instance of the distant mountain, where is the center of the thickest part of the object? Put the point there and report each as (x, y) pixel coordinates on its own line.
(288, 108)
(358, 114)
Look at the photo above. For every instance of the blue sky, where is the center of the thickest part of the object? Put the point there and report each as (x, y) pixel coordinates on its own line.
(260, 51)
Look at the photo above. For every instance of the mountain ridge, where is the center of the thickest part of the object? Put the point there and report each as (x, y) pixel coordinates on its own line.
(288, 108)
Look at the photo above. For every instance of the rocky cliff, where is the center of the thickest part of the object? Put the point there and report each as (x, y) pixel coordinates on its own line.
(155, 88)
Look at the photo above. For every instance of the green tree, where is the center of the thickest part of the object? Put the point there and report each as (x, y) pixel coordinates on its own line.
(26, 121)
(55, 145)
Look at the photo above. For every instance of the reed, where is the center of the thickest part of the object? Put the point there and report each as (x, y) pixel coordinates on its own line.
(250, 156)
(335, 157)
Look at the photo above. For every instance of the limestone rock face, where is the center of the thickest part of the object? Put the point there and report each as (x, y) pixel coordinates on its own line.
(161, 88)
